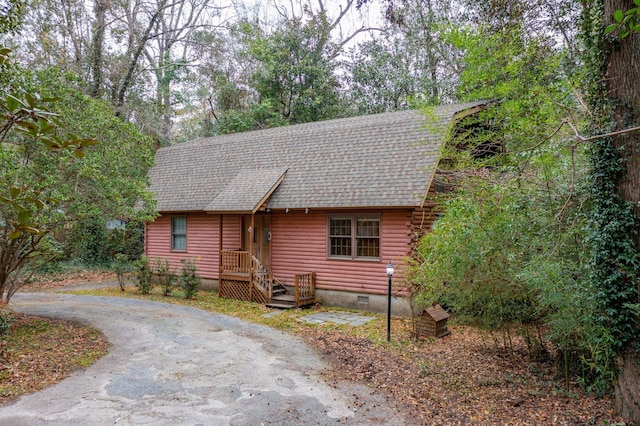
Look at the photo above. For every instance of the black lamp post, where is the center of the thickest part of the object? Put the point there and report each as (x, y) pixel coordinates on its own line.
(390, 275)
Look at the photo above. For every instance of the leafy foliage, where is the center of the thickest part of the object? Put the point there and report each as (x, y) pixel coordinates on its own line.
(189, 279)
(6, 321)
(30, 199)
(166, 276)
(144, 275)
(614, 224)
(10, 15)
(410, 63)
(383, 78)
(92, 242)
(296, 70)
(122, 267)
(490, 257)
(53, 178)
(288, 77)
(627, 21)
(512, 248)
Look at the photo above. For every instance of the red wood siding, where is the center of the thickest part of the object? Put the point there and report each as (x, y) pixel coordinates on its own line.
(299, 245)
(202, 241)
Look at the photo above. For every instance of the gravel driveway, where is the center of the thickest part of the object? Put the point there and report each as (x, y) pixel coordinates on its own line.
(174, 365)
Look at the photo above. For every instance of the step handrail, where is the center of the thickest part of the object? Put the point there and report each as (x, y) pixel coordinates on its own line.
(261, 278)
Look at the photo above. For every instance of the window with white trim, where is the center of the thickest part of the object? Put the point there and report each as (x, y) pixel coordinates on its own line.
(354, 237)
(179, 233)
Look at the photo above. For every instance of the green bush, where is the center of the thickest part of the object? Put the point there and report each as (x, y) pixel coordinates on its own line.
(144, 275)
(91, 243)
(128, 241)
(122, 267)
(6, 321)
(166, 277)
(87, 240)
(190, 281)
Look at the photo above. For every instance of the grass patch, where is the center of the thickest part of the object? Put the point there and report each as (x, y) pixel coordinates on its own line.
(288, 320)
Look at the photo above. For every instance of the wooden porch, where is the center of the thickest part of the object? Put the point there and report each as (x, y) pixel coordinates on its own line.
(243, 277)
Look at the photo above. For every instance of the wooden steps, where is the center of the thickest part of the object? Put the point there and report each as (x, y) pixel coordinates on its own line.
(286, 301)
(243, 277)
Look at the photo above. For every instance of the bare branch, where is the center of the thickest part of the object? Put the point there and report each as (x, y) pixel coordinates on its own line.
(600, 136)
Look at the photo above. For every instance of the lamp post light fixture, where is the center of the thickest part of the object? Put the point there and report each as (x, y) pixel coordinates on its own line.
(390, 275)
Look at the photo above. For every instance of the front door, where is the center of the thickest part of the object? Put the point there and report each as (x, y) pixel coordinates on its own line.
(261, 237)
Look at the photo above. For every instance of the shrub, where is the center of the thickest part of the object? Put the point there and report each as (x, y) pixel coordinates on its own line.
(6, 320)
(166, 277)
(144, 275)
(122, 268)
(128, 241)
(87, 240)
(189, 280)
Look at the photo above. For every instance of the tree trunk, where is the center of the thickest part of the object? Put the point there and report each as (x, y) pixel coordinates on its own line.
(127, 81)
(76, 40)
(623, 88)
(622, 83)
(627, 389)
(98, 44)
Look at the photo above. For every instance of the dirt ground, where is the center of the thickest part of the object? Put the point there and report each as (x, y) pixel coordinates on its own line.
(464, 378)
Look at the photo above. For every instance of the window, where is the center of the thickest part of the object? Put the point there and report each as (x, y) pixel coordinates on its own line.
(179, 233)
(340, 237)
(354, 237)
(368, 237)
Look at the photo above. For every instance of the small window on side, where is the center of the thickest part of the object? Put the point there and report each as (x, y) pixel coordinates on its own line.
(179, 233)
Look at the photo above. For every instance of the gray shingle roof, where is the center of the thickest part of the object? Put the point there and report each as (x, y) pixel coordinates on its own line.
(247, 191)
(381, 160)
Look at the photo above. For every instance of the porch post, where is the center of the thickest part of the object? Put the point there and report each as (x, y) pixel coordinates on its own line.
(253, 225)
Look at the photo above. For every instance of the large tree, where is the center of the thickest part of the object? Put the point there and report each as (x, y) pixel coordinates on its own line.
(614, 97)
(50, 178)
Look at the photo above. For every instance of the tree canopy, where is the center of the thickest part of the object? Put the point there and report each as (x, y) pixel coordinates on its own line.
(550, 234)
(51, 177)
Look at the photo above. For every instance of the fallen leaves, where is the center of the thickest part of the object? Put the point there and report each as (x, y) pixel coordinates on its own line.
(463, 378)
(38, 352)
(53, 281)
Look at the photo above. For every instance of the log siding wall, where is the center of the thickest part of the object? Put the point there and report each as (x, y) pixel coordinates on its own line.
(202, 241)
(299, 244)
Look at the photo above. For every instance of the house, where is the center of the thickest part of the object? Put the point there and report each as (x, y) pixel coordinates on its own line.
(324, 204)
(117, 223)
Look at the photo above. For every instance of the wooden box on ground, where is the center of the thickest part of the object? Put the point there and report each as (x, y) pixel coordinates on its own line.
(433, 322)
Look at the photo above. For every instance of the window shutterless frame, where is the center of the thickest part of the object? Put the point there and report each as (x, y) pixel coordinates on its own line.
(179, 233)
(355, 236)
(340, 237)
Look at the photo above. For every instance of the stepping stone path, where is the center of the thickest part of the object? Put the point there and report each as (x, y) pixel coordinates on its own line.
(336, 317)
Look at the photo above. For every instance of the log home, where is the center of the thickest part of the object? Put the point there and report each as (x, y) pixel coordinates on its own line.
(301, 213)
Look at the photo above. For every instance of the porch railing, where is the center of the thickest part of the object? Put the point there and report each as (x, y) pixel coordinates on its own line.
(235, 262)
(240, 268)
(305, 287)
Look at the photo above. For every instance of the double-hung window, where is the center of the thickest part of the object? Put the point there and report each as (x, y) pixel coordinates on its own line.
(354, 237)
(179, 233)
